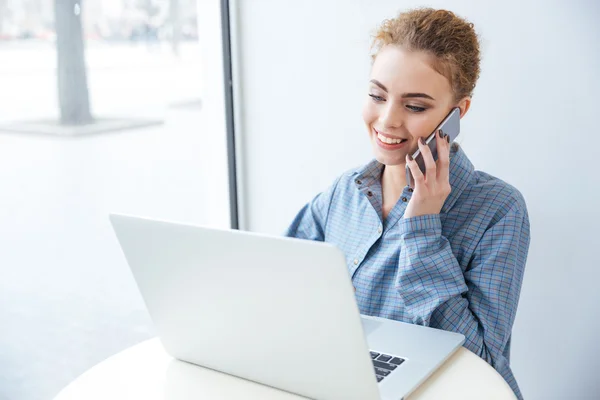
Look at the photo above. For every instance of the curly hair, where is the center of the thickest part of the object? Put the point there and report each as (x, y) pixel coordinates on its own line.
(451, 41)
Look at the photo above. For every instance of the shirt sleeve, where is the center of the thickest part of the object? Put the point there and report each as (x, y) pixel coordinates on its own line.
(311, 220)
(481, 303)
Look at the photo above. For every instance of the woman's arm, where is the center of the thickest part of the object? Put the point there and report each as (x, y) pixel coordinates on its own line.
(481, 303)
(310, 222)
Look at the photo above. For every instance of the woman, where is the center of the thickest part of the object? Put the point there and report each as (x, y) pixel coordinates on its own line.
(449, 254)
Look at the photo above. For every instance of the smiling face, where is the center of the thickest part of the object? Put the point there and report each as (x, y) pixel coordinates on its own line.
(407, 99)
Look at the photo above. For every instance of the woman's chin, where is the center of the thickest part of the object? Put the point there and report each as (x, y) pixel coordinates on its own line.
(397, 158)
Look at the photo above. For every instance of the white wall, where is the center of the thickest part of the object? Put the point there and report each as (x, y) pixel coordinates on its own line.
(302, 72)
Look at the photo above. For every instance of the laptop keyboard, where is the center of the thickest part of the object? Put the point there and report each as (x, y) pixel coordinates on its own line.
(384, 364)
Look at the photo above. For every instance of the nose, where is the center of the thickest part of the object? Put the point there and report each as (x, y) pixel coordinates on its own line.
(391, 117)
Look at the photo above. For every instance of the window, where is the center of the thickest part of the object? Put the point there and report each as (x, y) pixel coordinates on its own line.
(101, 110)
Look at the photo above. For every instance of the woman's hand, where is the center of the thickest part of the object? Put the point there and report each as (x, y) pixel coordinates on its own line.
(433, 188)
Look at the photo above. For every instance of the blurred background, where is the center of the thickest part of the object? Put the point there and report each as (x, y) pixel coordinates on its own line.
(123, 57)
(103, 108)
(103, 20)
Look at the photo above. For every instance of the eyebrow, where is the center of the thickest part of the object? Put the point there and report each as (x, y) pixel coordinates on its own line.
(404, 95)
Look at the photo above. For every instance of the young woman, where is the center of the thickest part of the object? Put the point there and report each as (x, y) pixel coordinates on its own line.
(449, 254)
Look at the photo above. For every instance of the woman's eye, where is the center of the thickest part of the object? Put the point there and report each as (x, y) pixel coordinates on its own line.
(416, 108)
(376, 98)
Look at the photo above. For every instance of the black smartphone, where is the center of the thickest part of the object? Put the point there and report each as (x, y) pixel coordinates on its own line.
(449, 126)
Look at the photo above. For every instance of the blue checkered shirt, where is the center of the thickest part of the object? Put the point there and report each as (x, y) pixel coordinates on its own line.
(460, 270)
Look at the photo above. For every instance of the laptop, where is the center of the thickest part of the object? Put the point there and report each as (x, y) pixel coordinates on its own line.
(274, 310)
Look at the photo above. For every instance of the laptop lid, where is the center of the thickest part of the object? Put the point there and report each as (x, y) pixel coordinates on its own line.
(275, 310)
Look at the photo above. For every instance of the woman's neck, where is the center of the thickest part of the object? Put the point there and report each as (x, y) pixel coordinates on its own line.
(393, 178)
(393, 181)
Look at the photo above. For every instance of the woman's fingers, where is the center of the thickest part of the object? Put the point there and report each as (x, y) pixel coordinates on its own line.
(443, 150)
(430, 168)
(415, 170)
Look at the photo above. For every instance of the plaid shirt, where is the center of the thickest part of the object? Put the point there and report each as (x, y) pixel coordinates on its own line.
(460, 270)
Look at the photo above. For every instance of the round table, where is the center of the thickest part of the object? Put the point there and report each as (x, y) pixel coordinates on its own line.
(146, 371)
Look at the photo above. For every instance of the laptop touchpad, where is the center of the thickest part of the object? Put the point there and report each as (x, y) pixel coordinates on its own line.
(369, 325)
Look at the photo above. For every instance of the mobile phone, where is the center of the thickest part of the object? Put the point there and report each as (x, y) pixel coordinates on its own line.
(449, 126)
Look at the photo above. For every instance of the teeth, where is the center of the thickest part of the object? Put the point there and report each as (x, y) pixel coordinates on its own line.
(388, 140)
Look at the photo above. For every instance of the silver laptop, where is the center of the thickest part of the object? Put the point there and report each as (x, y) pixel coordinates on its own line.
(274, 310)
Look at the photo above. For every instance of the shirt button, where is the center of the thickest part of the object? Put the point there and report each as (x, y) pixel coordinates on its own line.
(356, 261)
(379, 229)
(410, 190)
(370, 194)
(404, 199)
(358, 182)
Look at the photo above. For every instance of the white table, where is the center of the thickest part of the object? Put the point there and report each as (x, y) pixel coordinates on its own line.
(146, 371)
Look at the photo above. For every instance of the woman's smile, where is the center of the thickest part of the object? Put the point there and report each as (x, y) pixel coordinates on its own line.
(388, 142)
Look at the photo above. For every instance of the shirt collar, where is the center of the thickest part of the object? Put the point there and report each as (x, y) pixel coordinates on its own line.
(461, 173)
(372, 170)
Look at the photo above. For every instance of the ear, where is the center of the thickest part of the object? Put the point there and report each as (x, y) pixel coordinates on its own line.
(464, 106)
